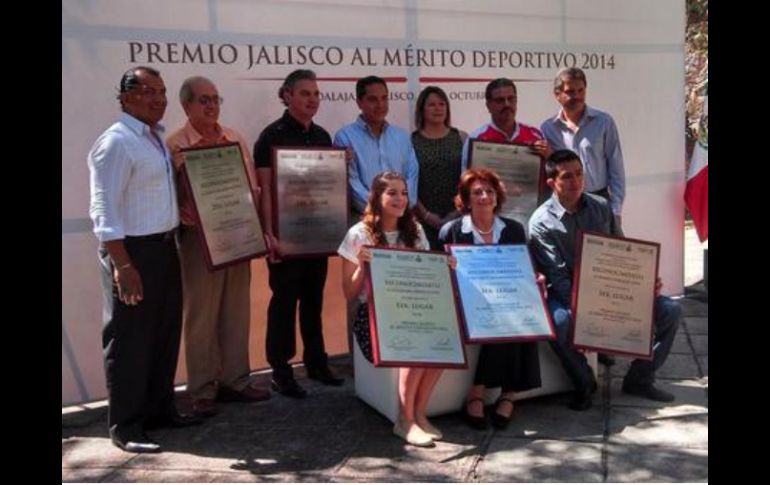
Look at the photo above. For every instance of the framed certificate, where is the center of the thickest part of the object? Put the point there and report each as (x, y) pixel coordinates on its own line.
(520, 170)
(412, 312)
(613, 294)
(230, 230)
(499, 296)
(310, 200)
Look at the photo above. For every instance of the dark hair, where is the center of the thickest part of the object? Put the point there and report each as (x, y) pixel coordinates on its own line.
(186, 93)
(472, 175)
(130, 78)
(407, 225)
(568, 74)
(422, 100)
(292, 79)
(501, 82)
(362, 83)
(556, 158)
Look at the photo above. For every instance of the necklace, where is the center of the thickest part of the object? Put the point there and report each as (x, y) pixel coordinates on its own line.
(484, 233)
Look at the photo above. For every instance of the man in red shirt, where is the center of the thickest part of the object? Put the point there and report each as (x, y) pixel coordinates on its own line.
(501, 104)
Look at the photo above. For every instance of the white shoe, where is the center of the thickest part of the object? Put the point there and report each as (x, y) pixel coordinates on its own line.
(431, 430)
(414, 435)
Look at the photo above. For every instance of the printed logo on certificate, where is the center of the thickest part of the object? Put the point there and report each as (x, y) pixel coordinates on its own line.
(500, 299)
(412, 312)
(613, 295)
(310, 200)
(228, 223)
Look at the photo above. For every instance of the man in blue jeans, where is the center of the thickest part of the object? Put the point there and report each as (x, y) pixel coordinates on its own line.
(553, 230)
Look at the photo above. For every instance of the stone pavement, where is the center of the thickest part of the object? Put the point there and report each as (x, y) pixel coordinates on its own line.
(331, 436)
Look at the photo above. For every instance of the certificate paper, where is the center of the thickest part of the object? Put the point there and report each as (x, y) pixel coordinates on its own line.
(227, 215)
(412, 312)
(614, 294)
(310, 200)
(518, 168)
(500, 298)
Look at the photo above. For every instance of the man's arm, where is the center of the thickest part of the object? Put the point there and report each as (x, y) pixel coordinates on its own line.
(262, 160)
(550, 262)
(124, 273)
(110, 173)
(464, 159)
(358, 192)
(616, 175)
(412, 173)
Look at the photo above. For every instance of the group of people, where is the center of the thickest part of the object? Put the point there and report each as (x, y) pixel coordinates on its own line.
(405, 191)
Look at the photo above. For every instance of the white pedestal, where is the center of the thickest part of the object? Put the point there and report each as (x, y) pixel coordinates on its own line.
(378, 386)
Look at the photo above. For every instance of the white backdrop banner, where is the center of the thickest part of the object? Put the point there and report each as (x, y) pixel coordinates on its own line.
(632, 53)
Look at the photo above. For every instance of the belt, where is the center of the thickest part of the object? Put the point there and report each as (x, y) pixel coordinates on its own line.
(602, 193)
(160, 236)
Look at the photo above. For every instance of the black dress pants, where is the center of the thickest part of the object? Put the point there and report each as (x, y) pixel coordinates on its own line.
(296, 281)
(141, 342)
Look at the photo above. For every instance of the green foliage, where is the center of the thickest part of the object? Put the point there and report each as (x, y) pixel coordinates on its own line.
(697, 63)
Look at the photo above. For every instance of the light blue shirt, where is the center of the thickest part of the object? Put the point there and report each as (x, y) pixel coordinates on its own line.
(131, 182)
(392, 150)
(597, 143)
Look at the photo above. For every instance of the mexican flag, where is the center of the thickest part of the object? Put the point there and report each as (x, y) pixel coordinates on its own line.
(696, 194)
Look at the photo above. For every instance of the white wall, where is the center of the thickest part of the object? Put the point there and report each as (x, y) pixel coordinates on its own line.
(643, 91)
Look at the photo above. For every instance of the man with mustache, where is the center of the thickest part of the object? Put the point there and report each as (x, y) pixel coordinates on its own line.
(592, 134)
(501, 104)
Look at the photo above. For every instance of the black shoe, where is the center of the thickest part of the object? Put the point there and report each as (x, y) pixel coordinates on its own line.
(288, 387)
(140, 444)
(173, 421)
(324, 375)
(498, 420)
(582, 399)
(648, 391)
(476, 422)
(606, 359)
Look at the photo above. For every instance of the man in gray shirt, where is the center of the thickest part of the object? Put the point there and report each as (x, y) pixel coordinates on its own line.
(553, 230)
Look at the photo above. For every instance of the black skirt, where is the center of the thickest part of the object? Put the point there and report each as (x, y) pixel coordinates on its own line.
(511, 366)
(362, 332)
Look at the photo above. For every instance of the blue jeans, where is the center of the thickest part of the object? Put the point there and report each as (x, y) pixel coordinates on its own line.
(668, 315)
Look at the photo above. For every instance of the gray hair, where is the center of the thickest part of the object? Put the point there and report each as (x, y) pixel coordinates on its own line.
(569, 74)
(186, 91)
(292, 79)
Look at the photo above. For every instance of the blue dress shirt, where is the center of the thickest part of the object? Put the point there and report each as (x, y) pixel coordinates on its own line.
(392, 150)
(597, 143)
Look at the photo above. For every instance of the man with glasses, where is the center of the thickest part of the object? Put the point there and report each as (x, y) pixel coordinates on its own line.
(135, 215)
(501, 104)
(216, 303)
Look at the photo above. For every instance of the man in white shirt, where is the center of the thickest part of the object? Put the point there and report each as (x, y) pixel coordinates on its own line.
(135, 215)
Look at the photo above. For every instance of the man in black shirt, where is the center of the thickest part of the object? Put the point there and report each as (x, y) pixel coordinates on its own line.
(297, 280)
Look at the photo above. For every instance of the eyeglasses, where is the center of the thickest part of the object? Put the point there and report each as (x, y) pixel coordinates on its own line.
(206, 100)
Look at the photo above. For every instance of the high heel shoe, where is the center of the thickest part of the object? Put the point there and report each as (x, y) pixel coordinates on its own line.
(501, 421)
(477, 422)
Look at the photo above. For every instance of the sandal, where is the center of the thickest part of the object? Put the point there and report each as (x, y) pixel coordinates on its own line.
(500, 421)
(477, 422)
